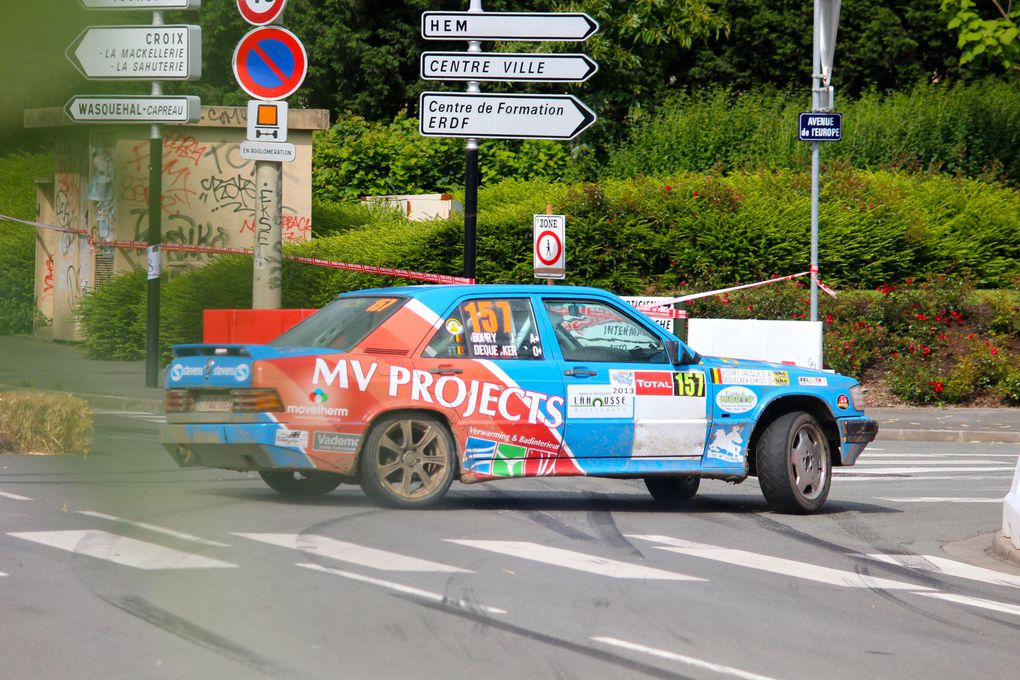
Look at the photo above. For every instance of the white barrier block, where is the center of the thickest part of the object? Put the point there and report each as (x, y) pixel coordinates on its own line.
(1011, 510)
(790, 342)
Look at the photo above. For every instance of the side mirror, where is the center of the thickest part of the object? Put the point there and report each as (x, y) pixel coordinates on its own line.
(673, 351)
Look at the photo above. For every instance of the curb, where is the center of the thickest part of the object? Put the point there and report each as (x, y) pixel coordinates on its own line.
(956, 436)
(102, 401)
(1003, 549)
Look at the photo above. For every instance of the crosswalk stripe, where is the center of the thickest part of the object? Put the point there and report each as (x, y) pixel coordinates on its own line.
(353, 553)
(897, 461)
(941, 565)
(938, 499)
(870, 455)
(1003, 607)
(916, 478)
(911, 470)
(570, 559)
(689, 660)
(14, 496)
(156, 529)
(407, 590)
(121, 550)
(777, 565)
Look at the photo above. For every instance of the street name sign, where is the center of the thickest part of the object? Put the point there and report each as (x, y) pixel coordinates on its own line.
(100, 108)
(507, 66)
(172, 52)
(141, 4)
(550, 261)
(270, 63)
(502, 116)
(261, 12)
(268, 151)
(820, 127)
(538, 26)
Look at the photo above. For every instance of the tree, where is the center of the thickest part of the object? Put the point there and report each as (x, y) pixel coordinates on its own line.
(981, 38)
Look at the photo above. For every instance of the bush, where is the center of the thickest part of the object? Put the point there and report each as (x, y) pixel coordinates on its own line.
(44, 422)
(17, 241)
(113, 318)
(967, 129)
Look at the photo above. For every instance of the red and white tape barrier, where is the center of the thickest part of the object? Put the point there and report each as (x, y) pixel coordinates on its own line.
(214, 250)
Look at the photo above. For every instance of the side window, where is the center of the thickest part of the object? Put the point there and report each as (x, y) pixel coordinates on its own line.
(593, 331)
(488, 329)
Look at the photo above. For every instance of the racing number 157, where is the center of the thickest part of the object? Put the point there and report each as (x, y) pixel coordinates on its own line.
(485, 316)
(689, 384)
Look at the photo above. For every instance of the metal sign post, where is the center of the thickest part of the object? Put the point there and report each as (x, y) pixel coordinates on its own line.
(154, 256)
(826, 21)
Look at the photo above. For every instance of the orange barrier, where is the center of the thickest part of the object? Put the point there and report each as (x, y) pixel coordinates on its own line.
(249, 326)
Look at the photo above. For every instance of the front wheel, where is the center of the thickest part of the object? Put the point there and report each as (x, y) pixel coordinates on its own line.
(409, 461)
(794, 465)
(671, 491)
(311, 483)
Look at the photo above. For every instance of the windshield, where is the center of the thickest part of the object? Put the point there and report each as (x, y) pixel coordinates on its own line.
(341, 324)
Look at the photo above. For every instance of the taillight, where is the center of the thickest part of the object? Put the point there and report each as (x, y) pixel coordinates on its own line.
(255, 400)
(178, 401)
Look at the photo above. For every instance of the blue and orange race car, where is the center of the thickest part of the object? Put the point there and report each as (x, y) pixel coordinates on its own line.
(406, 389)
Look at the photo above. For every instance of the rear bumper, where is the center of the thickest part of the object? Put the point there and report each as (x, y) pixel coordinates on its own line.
(854, 435)
(232, 447)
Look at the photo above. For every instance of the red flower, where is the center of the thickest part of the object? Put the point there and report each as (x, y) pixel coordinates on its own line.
(828, 318)
(921, 317)
(936, 386)
(994, 351)
(669, 188)
(696, 194)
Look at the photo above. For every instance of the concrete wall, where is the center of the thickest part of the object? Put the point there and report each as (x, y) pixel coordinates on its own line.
(101, 184)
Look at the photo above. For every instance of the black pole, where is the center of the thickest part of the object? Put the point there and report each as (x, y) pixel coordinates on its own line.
(470, 207)
(155, 237)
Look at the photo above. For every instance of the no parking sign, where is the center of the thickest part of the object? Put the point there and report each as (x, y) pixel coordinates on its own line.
(270, 63)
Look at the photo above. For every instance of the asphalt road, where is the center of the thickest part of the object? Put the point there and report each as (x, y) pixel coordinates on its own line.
(123, 566)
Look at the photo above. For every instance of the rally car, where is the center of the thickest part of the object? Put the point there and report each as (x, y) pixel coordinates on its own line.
(406, 389)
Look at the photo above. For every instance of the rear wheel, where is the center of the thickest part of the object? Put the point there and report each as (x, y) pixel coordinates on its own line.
(794, 465)
(311, 483)
(408, 461)
(672, 490)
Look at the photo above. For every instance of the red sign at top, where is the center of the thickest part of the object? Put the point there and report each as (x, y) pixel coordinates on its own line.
(270, 63)
(261, 12)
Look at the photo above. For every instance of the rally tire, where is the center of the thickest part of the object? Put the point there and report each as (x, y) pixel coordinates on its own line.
(794, 464)
(674, 490)
(301, 484)
(408, 461)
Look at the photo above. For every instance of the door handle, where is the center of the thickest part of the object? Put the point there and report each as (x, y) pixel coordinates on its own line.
(580, 373)
(445, 370)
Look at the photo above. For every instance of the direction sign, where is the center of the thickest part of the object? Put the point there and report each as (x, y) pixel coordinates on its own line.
(101, 108)
(172, 52)
(502, 116)
(550, 255)
(141, 4)
(558, 26)
(270, 63)
(507, 66)
(820, 127)
(261, 12)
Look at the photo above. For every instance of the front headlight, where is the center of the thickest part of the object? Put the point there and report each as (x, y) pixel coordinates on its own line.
(857, 395)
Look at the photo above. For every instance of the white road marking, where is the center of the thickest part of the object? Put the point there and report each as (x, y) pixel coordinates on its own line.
(570, 559)
(912, 470)
(2, 574)
(121, 550)
(912, 478)
(353, 553)
(938, 499)
(897, 461)
(407, 590)
(138, 415)
(777, 565)
(155, 528)
(976, 602)
(868, 455)
(14, 496)
(941, 565)
(689, 660)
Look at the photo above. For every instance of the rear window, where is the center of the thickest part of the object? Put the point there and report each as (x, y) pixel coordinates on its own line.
(341, 324)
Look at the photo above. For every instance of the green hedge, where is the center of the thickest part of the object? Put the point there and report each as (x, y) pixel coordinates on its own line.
(17, 241)
(962, 129)
(635, 236)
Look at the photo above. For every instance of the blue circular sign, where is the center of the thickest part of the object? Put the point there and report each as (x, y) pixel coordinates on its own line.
(270, 63)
